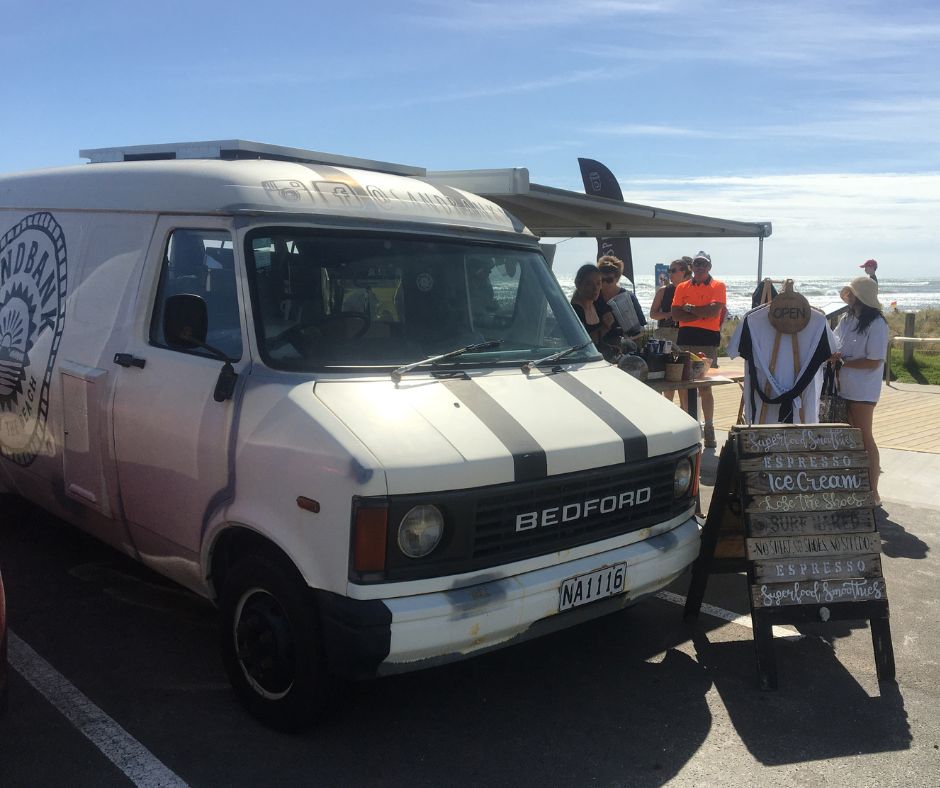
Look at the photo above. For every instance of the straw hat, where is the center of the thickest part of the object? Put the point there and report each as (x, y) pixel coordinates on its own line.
(865, 290)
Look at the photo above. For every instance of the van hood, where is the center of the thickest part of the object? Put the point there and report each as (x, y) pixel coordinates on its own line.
(493, 427)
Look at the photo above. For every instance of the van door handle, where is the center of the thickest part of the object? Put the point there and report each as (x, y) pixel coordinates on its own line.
(127, 360)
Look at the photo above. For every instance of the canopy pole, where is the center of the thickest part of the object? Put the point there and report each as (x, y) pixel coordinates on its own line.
(760, 259)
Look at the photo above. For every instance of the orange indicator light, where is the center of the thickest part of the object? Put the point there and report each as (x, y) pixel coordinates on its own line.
(308, 504)
(369, 540)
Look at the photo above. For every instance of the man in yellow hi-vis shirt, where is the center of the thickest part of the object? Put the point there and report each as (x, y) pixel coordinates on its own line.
(698, 306)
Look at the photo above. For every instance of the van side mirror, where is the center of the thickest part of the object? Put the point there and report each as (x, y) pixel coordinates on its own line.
(186, 325)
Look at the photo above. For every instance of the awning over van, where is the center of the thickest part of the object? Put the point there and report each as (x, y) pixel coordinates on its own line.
(559, 213)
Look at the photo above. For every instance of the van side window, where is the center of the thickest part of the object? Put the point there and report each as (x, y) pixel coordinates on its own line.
(202, 263)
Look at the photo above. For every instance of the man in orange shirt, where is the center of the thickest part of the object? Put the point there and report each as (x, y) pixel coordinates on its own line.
(698, 306)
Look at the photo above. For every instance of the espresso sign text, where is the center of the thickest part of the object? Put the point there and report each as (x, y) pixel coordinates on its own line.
(804, 461)
(788, 569)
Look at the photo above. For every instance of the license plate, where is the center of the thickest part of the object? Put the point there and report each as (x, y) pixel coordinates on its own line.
(581, 589)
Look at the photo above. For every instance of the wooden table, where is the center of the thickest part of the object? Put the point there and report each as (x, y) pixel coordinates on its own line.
(713, 377)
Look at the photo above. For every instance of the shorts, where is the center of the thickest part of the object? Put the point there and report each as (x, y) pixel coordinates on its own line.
(706, 350)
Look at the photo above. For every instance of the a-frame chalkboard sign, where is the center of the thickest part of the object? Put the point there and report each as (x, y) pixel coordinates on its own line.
(792, 506)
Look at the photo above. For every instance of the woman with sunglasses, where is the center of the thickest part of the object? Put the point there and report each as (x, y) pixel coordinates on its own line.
(666, 328)
(611, 269)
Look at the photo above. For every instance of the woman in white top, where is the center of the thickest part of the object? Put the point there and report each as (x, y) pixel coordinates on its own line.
(863, 342)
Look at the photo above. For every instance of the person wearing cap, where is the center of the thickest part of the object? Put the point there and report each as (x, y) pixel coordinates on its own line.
(862, 335)
(870, 267)
(698, 306)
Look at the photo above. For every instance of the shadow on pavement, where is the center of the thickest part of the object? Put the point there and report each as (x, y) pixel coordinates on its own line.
(896, 542)
(572, 710)
(614, 701)
(819, 712)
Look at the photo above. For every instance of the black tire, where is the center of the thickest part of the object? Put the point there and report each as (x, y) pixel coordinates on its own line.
(271, 643)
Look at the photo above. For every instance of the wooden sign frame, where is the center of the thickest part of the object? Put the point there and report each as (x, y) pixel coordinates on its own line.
(795, 504)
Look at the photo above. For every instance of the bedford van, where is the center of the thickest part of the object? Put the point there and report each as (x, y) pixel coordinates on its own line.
(354, 409)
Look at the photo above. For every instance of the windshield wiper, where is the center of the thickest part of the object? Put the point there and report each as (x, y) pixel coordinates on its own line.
(530, 365)
(476, 348)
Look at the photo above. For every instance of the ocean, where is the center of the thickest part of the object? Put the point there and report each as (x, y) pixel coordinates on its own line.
(911, 295)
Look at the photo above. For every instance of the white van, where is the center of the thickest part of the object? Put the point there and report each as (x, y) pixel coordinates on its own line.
(354, 409)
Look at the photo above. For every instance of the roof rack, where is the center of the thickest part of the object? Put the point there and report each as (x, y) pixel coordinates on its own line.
(240, 149)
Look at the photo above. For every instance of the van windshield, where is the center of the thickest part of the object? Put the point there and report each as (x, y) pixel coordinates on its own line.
(363, 300)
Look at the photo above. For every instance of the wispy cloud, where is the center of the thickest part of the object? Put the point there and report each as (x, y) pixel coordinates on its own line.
(652, 130)
(540, 149)
(478, 15)
(794, 33)
(900, 120)
(506, 89)
(821, 221)
(859, 206)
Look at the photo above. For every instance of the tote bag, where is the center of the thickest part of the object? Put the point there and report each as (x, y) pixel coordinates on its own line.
(832, 408)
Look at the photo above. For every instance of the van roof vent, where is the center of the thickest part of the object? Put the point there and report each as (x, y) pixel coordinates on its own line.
(240, 149)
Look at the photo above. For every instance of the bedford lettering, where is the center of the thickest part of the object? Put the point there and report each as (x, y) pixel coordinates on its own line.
(582, 509)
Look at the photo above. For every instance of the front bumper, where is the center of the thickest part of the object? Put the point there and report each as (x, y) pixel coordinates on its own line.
(407, 633)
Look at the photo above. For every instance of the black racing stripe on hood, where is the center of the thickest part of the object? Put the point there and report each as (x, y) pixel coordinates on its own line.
(528, 457)
(635, 446)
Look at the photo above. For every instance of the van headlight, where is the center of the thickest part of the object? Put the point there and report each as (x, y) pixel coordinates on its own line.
(420, 531)
(682, 481)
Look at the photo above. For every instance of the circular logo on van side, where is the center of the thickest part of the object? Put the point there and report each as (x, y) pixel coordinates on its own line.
(32, 314)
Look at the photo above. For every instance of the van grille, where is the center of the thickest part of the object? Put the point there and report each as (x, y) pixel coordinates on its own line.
(481, 522)
(495, 533)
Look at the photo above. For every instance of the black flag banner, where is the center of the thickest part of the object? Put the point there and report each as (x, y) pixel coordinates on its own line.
(600, 181)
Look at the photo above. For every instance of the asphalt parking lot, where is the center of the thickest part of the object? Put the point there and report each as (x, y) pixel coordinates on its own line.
(636, 698)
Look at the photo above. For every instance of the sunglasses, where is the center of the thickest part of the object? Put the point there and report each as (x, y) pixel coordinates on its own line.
(610, 278)
(676, 270)
(701, 264)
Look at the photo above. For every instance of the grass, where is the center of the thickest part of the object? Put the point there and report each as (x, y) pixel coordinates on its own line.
(926, 323)
(923, 368)
(727, 329)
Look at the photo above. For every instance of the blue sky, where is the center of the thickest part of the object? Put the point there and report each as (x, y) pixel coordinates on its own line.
(822, 117)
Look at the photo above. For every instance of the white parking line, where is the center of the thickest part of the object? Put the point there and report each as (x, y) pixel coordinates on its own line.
(117, 745)
(727, 615)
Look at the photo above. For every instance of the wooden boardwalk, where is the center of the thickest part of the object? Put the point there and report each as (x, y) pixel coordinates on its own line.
(907, 415)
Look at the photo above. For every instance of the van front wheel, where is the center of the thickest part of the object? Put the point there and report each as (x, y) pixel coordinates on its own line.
(271, 644)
